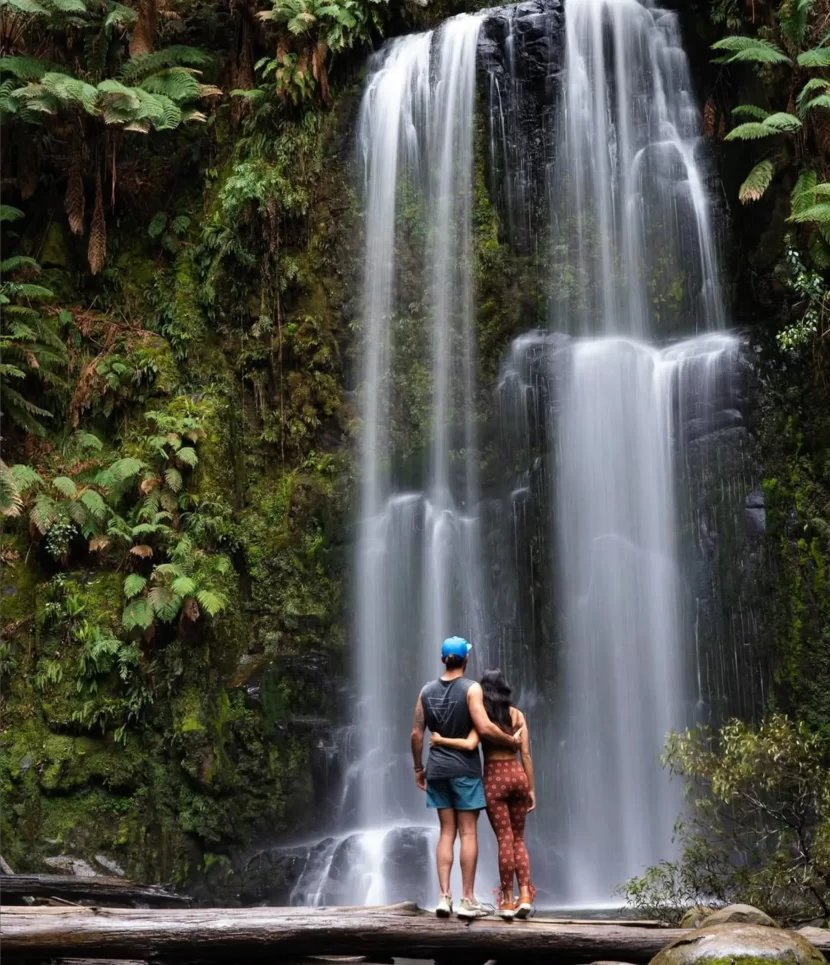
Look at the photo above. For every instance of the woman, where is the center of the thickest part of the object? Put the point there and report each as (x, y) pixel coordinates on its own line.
(509, 789)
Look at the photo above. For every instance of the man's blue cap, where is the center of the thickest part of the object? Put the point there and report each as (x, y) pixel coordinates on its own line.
(456, 647)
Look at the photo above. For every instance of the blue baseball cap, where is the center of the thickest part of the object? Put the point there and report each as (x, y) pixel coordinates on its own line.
(456, 647)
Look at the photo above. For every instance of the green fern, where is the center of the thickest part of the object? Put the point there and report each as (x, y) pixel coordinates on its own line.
(749, 50)
(795, 18)
(757, 182)
(750, 110)
(816, 58)
(137, 68)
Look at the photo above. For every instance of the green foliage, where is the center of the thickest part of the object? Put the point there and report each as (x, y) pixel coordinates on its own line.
(316, 29)
(32, 353)
(811, 301)
(759, 829)
(752, 50)
(757, 182)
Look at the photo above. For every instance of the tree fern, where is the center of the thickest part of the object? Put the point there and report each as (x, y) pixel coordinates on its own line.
(177, 83)
(818, 57)
(137, 68)
(818, 213)
(26, 68)
(749, 50)
(750, 110)
(757, 182)
(794, 18)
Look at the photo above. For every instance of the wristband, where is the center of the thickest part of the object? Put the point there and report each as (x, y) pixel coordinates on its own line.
(419, 767)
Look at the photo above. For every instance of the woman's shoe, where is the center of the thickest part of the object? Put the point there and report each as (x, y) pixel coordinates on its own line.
(507, 906)
(444, 909)
(525, 903)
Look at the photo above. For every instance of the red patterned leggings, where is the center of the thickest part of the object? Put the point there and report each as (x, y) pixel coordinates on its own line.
(508, 798)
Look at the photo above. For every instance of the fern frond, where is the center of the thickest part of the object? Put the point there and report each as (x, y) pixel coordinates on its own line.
(137, 68)
(749, 50)
(25, 477)
(752, 131)
(809, 89)
(16, 262)
(9, 213)
(120, 16)
(211, 602)
(783, 122)
(757, 182)
(133, 585)
(26, 68)
(750, 110)
(819, 213)
(177, 83)
(817, 57)
(823, 100)
(65, 486)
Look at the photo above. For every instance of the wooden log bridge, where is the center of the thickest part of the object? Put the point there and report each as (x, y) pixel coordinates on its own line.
(240, 934)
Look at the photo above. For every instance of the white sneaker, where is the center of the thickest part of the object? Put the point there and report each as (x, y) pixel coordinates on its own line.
(471, 908)
(444, 909)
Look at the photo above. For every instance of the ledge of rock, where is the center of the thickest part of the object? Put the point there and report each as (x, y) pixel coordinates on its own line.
(737, 915)
(740, 944)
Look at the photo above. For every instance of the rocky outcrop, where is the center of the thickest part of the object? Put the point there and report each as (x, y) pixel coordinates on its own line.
(738, 915)
(741, 945)
(521, 52)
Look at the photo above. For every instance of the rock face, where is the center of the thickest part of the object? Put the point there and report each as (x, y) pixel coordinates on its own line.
(737, 915)
(521, 51)
(740, 945)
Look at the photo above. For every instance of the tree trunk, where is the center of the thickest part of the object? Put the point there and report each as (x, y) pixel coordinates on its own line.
(292, 933)
(98, 888)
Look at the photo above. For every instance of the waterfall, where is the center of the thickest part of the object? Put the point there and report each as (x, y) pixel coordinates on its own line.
(632, 215)
(588, 572)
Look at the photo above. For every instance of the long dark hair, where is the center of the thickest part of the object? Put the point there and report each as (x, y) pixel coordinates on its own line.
(498, 699)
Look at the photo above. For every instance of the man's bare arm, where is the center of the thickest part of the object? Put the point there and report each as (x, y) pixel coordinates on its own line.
(417, 736)
(482, 723)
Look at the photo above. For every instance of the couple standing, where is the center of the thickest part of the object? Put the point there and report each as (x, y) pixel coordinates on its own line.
(460, 714)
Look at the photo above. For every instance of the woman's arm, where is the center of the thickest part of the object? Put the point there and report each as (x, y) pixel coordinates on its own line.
(468, 743)
(483, 724)
(527, 761)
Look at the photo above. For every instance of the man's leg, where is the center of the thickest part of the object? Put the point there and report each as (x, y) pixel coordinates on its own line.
(468, 832)
(446, 846)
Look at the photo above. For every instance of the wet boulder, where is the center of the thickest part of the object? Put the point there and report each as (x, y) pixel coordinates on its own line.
(738, 915)
(740, 945)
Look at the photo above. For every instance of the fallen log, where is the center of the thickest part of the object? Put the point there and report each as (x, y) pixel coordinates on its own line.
(98, 888)
(216, 935)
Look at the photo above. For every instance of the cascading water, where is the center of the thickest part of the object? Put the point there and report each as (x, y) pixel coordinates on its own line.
(632, 215)
(587, 572)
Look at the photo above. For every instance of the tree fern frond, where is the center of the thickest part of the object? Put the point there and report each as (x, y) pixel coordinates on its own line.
(749, 50)
(750, 132)
(757, 182)
(120, 16)
(783, 122)
(9, 213)
(16, 262)
(750, 110)
(137, 68)
(26, 68)
(177, 83)
(810, 88)
(819, 213)
(795, 17)
(28, 8)
(817, 57)
(823, 100)
(65, 486)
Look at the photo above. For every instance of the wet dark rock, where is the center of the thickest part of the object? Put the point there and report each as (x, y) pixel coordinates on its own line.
(269, 877)
(406, 865)
(750, 944)
(755, 515)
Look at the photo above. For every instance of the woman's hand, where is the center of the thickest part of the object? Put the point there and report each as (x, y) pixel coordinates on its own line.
(517, 737)
(532, 797)
(436, 740)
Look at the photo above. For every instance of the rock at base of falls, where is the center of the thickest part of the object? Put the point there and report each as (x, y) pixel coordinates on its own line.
(737, 915)
(741, 944)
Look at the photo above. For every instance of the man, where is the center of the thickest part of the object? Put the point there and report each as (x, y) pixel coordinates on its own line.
(452, 706)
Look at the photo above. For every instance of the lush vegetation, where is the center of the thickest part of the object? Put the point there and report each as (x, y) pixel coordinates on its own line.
(758, 829)
(180, 238)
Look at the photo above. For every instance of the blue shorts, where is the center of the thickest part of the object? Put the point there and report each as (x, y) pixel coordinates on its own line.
(458, 793)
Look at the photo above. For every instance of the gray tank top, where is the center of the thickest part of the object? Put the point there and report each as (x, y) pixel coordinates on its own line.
(446, 713)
